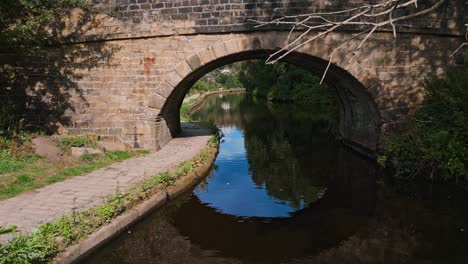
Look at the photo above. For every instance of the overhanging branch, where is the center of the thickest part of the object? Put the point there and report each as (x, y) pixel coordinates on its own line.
(368, 18)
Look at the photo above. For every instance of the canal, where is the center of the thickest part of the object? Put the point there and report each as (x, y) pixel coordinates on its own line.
(282, 190)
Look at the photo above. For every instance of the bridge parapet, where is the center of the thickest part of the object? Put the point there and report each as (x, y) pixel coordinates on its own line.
(144, 18)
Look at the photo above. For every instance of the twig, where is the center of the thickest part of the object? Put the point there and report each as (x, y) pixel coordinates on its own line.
(369, 17)
(463, 44)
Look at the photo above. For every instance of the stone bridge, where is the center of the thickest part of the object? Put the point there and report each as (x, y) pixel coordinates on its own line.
(160, 48)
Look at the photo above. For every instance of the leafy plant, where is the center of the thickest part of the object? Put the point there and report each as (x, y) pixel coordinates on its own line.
(8, 229)
(86, 157)
(434, 141)
(80, 141)
(118, 155)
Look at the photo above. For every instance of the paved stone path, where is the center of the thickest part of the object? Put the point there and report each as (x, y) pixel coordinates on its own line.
(40, 206)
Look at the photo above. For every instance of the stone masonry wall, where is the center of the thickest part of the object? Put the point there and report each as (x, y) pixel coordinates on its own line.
(132, 18)
(125, 95)
(142, 51)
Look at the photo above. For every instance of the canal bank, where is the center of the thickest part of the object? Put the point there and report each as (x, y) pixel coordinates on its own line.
(123, 187)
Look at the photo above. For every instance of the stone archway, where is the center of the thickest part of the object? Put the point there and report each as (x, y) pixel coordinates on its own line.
(360, 120)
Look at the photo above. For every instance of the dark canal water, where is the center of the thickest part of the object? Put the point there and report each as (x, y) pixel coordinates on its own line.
(282, 190)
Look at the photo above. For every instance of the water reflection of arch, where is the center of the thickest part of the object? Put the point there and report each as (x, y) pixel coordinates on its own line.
(346, 205)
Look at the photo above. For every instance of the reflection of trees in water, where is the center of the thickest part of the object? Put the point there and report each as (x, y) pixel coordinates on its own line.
(402, 230)
(203, 185)
(280, 141)
(156, 240)
(212, 110)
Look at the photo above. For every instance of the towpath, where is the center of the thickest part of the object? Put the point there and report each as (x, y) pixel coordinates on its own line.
(32, 209)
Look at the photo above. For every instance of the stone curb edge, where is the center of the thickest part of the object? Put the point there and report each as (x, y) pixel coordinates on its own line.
(77, 251)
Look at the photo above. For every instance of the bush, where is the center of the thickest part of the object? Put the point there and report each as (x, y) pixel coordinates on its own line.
(81, 141)
(434, 141)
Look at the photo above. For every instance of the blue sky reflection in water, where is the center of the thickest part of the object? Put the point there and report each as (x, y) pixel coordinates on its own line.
(231, 190)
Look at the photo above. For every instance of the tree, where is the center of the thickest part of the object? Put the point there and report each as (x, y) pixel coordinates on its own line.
(27, 26)
(37, 73)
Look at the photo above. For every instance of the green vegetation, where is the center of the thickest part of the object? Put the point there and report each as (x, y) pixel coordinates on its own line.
(8, 229)
(24, 23)
(36, 174)
(433, 143)
(185, 110)
(81, 141)
(43, 244)
(222, 78)
(26, 37)
(285, 82)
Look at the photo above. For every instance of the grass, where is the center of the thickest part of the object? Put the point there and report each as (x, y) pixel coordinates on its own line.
(185, 110)
(11, 163)
(48, 240)
(19, 174)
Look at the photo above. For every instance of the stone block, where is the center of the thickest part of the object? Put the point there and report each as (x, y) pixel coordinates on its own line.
(112, 146)
(195, 62)
(183, 69)
(207, 55)
(231, 46)
(78, 152)
(164, 89)
(220, 50)
(156, 101)
(173, 79)
(250, 43)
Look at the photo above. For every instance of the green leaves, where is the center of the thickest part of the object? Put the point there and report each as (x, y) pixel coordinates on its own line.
(434, 142)
(24, 23)
(8, 229)
(80, 141)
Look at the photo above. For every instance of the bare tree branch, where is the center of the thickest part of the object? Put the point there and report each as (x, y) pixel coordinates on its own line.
(463, 44)
(368, 18)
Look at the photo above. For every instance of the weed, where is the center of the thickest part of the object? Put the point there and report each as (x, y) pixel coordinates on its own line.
(86, 157)
(166, 178)
(118, 155)
(10, 163)
(184, 168)
(8, 229)
(81, 141)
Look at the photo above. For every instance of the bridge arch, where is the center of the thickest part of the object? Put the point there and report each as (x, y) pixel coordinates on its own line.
(360, 119)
